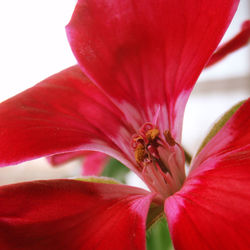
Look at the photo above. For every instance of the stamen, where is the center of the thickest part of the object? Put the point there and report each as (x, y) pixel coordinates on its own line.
(152, 134)
(158, 160)
(140, 153)
(170, 140)
(147, 126)
(136, 139)
(152, 151)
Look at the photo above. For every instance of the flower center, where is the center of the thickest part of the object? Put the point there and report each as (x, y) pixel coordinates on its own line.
(160, 159)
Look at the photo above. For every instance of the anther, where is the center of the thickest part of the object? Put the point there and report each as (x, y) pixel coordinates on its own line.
(152, 134)
(136, 139)
(170, 140)
(140, 153)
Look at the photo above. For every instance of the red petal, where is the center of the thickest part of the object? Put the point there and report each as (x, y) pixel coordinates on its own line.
(68, 214)
(233, 136)
(94, 163)
(237, 42)
(148, 55)
(211, 211)
(65, 112)
(59, 159)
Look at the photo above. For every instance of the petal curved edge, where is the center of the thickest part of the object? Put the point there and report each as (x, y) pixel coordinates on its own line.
(63, 113)
(211, 211)
(147, 55)
(233, 136)
(59, 159)
(93, 162)
(68, 214)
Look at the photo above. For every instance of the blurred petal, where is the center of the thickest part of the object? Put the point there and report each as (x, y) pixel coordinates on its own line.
(237, 42)
(211, 211)
(63, 113)
(68, 214)
(59, 159)
(94, 163)
(147, 56)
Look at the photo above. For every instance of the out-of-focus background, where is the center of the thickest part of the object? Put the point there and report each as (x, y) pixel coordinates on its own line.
(33, 46)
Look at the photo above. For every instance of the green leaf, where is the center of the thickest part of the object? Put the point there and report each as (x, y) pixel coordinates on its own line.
(158, 237)
(219, 124)
(116, 170)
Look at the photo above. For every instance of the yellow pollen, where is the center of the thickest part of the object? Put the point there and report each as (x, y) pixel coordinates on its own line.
(152, 134)
(138, 138)
(140, 153)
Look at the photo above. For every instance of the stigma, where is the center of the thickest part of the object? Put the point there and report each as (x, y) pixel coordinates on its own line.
(160, 159)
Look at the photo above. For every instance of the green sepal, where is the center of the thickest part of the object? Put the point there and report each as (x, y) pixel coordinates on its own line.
(158, 237)
(219, 124)
(155, 213)
(96, 179)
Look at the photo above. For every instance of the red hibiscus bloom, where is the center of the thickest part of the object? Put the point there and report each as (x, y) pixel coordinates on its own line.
(138, 62)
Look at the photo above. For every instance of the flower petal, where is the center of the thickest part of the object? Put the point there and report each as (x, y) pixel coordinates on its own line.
(68, 214)
(63, 113)
(148, 55)
(211, 211)
(93, 163)
(237, 42)
(233, 136)
(59, 159)
(219, 124)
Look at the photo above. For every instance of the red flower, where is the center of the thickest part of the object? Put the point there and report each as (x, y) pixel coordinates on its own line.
(140, 62)
(95, 162)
